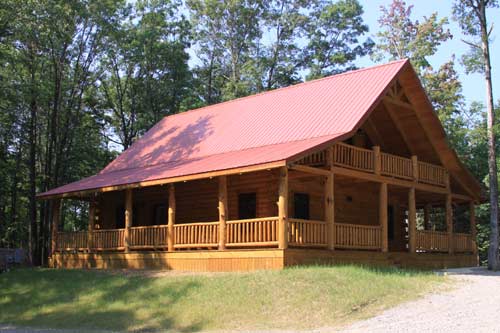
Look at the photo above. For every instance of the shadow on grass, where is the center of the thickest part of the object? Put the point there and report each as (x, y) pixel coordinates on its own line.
(91, 300)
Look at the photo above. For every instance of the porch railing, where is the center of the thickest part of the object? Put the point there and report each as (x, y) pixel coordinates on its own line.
(260, 232)
(307, 233)
(196, 235)
(463, 242)
(252, 232)
(354, 236)
(432, 241)
(362, 159)
(72, 240)
(108, 239)
(353, 157)
(148, 237)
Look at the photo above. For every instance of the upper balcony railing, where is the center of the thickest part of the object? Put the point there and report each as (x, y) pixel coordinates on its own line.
(374, 161)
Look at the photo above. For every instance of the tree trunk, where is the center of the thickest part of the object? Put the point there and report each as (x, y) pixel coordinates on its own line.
(493, 260)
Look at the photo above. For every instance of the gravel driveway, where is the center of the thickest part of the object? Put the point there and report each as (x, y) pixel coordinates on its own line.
(474, 306)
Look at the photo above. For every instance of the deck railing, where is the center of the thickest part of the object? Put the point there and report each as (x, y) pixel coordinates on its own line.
(354, 236)
(431, 174)
(108, 239)
(432, 241)
(252, 232)
(463, 242)
(397, 166)
(361, 159)
(196, 235)
(148, 237)
(353, 157)
(307, 233)
(72, 240)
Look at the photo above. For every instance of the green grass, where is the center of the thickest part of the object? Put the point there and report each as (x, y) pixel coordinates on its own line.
(306, 297)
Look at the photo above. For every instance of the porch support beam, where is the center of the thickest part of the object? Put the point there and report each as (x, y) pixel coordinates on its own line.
(92, 208)
(473, 231)
(330, 202)
(56, 212)
(222, 211)
(283, 209)
(128, 218)
(449, 223)
(412, 220)
(312, 170)
(389, 180)
(382, 214)
(171, 218)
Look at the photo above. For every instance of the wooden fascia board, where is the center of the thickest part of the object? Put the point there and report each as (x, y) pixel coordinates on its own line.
(233, 171)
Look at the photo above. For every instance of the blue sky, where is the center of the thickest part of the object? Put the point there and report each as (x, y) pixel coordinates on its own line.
(473, 84)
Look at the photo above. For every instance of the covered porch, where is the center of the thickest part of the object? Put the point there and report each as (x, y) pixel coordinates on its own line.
(341, 198)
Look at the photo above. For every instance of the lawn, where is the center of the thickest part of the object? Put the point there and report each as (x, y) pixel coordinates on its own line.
(298, 298)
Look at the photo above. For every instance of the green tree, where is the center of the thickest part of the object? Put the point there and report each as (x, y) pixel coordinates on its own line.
(472, 17)
(333, 33)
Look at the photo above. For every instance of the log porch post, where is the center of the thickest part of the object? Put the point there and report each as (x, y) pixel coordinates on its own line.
(414, 166)
(92, 208)
(382, 215)
(56, 209)
(330, 201)
(412, 220)
(283, 209)
(222, 211)
(377, 162)
(128, 218)
(473, 231)
(171, 218)
(449, 223)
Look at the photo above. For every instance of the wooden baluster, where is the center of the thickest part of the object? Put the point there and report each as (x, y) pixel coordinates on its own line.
(56, 209)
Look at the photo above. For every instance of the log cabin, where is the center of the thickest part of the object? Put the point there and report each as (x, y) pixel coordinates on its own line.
(351, 168)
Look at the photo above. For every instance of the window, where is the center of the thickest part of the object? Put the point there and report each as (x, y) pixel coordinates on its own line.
(160, 215)
(247, 206)
(301, 206)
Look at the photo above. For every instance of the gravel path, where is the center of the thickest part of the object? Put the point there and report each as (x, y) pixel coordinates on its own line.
(474, 306)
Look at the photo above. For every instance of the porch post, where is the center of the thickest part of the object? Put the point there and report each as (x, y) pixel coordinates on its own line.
(414, 165)
(473, 231)
(222, 211)
(128, 218)
(56, 209)
(330, 201)
(171, 218)
(283, 209)
(92, 207)
(382, 215)
(377, 161)
(412, 220)
(449, 223)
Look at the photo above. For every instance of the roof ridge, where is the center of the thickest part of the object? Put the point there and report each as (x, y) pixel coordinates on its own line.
(230, 151)
(287, 87)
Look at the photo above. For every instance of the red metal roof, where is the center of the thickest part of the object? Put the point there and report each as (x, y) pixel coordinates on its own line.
(268, 127)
